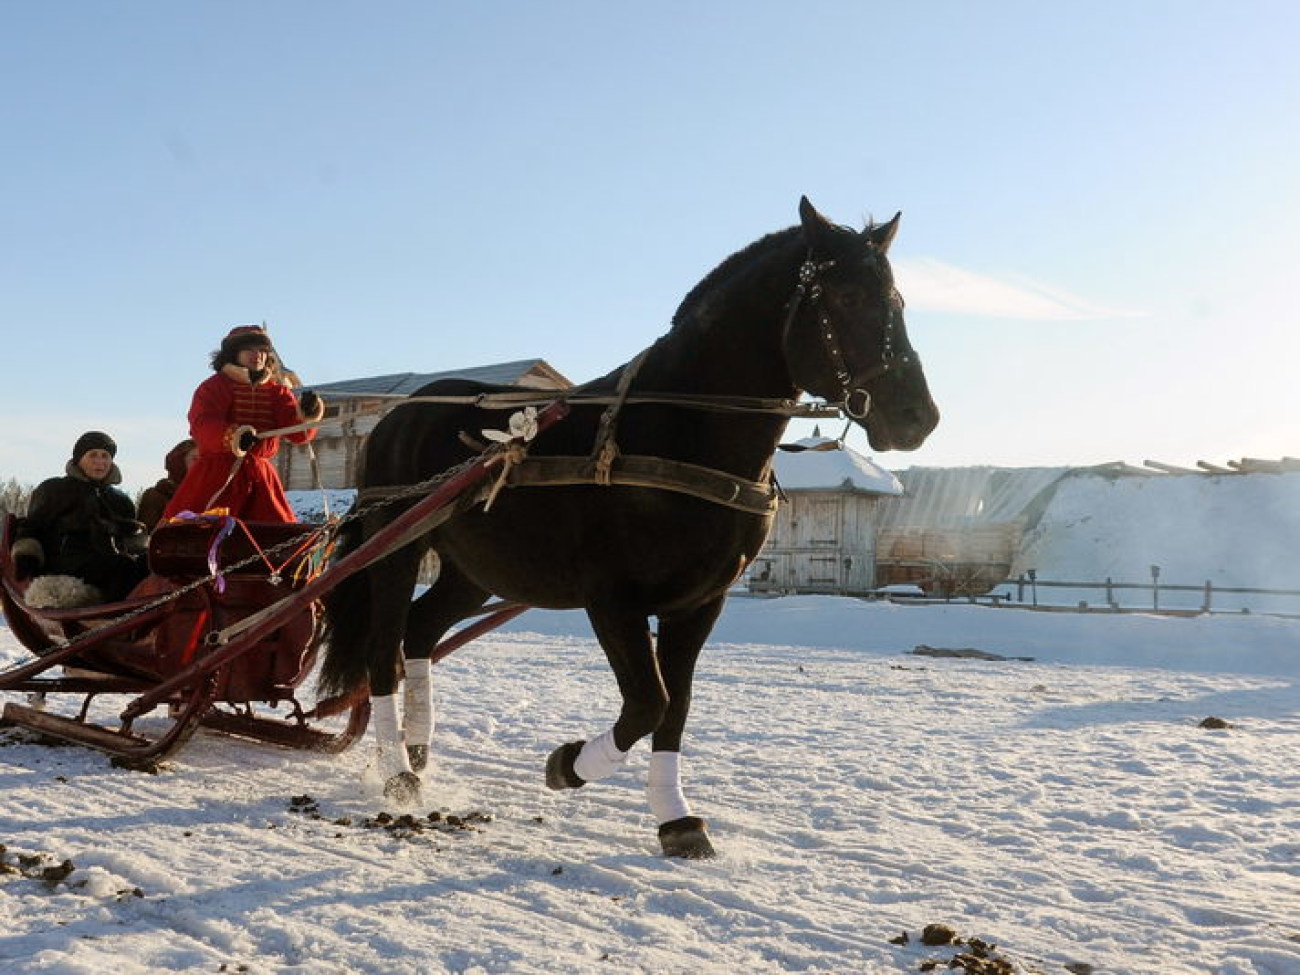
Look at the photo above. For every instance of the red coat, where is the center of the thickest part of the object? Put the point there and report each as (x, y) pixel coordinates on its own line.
(223, 403)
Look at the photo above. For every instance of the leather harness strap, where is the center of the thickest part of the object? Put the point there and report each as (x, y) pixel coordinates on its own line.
(605, 450)
(631, 470)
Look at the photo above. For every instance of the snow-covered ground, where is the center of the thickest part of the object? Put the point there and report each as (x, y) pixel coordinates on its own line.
(1069, 809)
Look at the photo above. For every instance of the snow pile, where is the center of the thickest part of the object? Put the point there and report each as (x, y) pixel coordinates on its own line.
(818, 462)
(1236, 530)
(321, 505)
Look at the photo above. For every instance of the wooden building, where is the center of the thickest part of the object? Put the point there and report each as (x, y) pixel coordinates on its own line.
(955, 531)
(852, 528)
(824, 536)
(354, 406)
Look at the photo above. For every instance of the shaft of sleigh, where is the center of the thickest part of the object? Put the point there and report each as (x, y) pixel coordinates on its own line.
(384, 541)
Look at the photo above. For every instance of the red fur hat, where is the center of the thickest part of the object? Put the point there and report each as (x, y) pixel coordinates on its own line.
(246, 337)
(238, 339)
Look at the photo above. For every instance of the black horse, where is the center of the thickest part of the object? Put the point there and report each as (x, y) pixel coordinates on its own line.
(677, 450)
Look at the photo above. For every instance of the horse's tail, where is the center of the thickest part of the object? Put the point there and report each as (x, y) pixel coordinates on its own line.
(345, 665)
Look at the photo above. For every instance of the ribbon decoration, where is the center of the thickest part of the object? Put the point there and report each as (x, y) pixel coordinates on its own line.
(227, 526)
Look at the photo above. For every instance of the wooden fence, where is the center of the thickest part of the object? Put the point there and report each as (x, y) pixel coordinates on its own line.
(1154, 596)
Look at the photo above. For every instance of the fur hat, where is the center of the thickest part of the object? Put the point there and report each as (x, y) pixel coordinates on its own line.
(93, 440)
(175, 460)
(238, 339)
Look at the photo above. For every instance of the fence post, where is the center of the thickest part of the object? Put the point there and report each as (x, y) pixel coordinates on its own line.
(1110, 594)
(1155, 587)
(1209, 588)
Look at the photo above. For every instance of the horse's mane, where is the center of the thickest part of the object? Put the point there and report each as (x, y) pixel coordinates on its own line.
(738, 263)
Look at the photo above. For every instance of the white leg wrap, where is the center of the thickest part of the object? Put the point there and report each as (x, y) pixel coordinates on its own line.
(388, 736)
(599, 758)
(417, 707)
(663, 787)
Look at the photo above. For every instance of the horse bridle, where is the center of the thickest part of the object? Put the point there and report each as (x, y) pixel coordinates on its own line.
(852, 388)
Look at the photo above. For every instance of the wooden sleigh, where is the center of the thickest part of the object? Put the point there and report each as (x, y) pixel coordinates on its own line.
(160, 646)
(221, 634)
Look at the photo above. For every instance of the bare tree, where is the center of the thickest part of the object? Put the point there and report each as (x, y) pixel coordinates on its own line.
(14, 497)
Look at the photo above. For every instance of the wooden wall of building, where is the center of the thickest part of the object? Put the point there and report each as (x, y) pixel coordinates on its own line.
(821, 542)
(337, 446)
(947, 561)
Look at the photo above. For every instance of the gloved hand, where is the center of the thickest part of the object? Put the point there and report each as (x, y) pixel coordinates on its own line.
(136, 543)
(246, 440)
(26, 566)
(311, 403)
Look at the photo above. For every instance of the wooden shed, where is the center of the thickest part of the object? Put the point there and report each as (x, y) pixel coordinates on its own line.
(823, 539)
(354, 406)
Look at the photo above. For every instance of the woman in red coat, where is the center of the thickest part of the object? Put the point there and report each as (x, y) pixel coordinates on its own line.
(247, 396)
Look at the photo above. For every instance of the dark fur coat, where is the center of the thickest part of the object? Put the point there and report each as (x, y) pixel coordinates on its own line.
(79, 527)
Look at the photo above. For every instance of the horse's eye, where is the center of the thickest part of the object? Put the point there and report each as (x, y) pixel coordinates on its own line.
(849, 299)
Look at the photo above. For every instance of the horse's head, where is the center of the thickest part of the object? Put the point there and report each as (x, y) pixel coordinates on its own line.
(845, 339)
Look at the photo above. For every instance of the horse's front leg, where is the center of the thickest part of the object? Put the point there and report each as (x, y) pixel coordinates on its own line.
(656, 689)
(681, 637)
(624, 635)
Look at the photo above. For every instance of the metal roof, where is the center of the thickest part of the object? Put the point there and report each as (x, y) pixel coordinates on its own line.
(962, 496)
(516, 373)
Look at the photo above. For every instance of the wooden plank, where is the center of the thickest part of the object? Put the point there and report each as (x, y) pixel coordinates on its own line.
(1257, 465)
(1169, 468)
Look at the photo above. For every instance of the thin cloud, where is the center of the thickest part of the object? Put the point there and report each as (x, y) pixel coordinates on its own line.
(931, 285)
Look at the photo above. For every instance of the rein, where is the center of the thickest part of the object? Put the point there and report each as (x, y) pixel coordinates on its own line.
(606, 466)
(539, 398)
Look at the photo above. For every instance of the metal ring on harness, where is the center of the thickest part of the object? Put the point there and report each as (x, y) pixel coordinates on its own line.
(847, 404)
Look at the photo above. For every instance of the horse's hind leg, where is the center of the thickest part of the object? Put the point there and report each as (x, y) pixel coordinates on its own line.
(681, 638)
(391, 582)
(450, 599)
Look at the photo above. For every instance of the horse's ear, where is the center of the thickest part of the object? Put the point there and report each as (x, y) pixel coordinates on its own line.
(883, 235)
(816, 228)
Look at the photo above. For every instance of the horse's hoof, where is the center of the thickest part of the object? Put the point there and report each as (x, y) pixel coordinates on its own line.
(403, 788)
(687, 838)
(418, 755)
(559, 767)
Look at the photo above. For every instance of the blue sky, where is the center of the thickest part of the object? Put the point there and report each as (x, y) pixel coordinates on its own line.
(1101, 209)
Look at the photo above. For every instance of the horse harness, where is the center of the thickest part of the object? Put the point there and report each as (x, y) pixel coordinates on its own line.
(809, 289)
(607, 466)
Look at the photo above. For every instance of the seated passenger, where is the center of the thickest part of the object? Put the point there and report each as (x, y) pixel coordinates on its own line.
(80, 525)
(178, 460)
